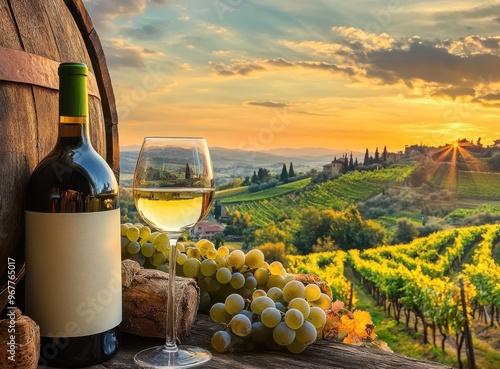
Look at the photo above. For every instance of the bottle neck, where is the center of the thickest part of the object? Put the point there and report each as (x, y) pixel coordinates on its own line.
(73, 111)
(73, 134)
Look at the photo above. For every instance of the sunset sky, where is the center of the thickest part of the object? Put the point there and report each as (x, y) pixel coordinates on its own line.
(344, 74)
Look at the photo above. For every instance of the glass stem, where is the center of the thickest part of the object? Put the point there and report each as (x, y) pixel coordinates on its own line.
(170, 342)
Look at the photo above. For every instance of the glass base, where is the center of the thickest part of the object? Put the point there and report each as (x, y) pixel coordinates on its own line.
(160, 357)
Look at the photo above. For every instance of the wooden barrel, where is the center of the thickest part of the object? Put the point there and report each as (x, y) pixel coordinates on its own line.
(35, 36)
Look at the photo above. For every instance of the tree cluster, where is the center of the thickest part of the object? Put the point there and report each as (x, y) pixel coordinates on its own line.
(376, 158)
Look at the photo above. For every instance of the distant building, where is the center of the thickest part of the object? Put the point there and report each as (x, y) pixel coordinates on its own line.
(496, 143)
(206, 230)
(335, 167)
(394, 156)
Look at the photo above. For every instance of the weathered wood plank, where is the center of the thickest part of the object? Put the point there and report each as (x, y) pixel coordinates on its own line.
(322, 354)
(34, 28)
(8, 30)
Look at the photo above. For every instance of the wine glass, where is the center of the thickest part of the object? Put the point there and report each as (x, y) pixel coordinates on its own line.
(173, 190)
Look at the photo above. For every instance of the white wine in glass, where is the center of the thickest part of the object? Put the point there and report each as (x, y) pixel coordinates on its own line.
(173, 190)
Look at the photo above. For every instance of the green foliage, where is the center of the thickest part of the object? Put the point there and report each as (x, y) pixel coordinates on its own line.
(495, 162)
(274, 252)
(406, 231)
(345, 228)
(238, 223)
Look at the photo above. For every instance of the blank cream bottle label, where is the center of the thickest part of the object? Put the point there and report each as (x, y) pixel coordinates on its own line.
(71, 245)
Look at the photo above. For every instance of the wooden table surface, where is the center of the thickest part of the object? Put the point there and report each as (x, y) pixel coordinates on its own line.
(321, 354)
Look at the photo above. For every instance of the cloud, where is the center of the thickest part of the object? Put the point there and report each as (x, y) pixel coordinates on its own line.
(122, 53)
(104, 12)
(247, 67)
(145, 32)
(467, 68)
(267, 104)
(280, 105)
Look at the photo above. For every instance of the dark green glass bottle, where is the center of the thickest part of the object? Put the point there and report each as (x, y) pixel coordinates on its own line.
(73, 276)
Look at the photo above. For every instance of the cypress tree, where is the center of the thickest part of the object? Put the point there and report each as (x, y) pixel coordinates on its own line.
(255, 178)
(351, 162)
(291, 173)
(367, 158)
(384, 154)
(376, 159)
(284, 174)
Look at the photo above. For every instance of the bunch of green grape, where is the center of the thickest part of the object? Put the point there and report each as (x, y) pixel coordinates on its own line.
(218, 272)
(258, 303)
(149, 249)
(292, 316)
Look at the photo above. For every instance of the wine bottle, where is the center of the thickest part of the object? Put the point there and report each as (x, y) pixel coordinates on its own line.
(73, 270)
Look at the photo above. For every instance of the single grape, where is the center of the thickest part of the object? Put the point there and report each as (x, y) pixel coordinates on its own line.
(223, 275)
(221, 262)
(247, 313)
(158, 258)
(212, 254)
(276, 268)
(260, 333)
(240, 325)
(123, 229)
(296, 347)
(294, 318)
(236, 259)
(283, 335)
(208, 267)
(222, 251)
(301, 305)
(204, 245)
(145, 232)
(221, 341)
(191, 267)
(275, 293)
(292, 290)
(254, 258)
(181, 259)
(237, 280)
(219, 314)
(147, 249)
(258, 293)
(317, 317)
(163, 268)
(312, 292)
(133, 233)
(133, 247)
(234, 304)
(262, 276)
(306, 333)
(138, 257)
(250, 282)
(180, 247)
(259, 304)
(161, 242)
(193, 252)
(270, 317)
(324, 302)
(275, 281)
(124, 243)
(280, 306)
